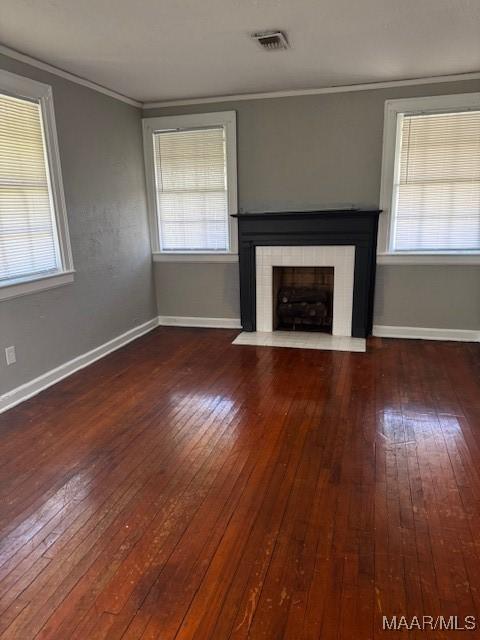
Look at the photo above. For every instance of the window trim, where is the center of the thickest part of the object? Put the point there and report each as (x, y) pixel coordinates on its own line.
(23, 286)
(422, 105)
(228, 120)
(22, 87)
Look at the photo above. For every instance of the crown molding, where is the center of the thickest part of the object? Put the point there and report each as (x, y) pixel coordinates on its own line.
(312, 92)
(34, 62)
(22, 57)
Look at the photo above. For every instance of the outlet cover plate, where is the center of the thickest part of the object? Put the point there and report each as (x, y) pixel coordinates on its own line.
(10, 355)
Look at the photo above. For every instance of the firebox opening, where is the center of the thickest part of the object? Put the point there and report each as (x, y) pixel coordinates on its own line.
(303, 298)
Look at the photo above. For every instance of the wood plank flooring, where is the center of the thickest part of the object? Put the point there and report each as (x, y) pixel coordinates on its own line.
(186, 488)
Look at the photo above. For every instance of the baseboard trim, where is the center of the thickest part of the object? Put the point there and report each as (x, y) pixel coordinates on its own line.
(426, 333)
(211, 323)
(29, 389)
(35, 386)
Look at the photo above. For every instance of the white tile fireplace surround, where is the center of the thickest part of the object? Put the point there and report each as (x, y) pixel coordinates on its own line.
(341, 258)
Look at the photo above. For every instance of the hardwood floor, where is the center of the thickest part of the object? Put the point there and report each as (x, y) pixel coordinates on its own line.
(186, 488)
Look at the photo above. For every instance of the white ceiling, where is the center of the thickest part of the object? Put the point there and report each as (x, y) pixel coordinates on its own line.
(170, 49)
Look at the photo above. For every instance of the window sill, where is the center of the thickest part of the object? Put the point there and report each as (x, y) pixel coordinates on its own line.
(33, 285)
(428, 258)
(195, 257)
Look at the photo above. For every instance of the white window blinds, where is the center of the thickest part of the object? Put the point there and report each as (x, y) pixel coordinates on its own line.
(191, 189)
(28, 243)
(436, 195)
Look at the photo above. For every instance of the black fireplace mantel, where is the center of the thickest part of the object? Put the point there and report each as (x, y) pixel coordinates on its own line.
(357, 227)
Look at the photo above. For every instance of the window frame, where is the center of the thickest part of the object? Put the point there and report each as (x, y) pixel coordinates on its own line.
(21, 87)
(226, 119)
(414, 106)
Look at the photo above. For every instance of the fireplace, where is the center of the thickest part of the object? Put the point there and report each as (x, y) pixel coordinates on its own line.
(303, 298)
(342, 239)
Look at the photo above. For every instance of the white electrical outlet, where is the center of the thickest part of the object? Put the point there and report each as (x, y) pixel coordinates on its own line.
(10, 355)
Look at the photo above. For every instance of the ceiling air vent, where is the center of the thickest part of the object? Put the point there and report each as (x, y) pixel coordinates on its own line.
(271, 40)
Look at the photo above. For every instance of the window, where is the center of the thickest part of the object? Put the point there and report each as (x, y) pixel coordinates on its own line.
(191, 175)
(431, 177)
(34, 247)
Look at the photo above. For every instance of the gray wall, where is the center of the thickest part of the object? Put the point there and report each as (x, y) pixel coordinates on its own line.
(444, 297)
(102, 165)
(308, 152)
(201, 290)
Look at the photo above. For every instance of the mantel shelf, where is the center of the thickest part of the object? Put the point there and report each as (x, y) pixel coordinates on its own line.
(317, 212)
